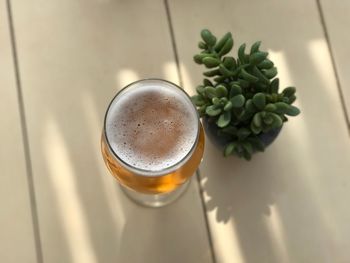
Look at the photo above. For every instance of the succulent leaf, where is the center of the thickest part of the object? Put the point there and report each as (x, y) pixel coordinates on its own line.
(241, 54)
(224, 119)
(229, 63)
(255, 47)
(210, 92)
(247, 76)
(270, 73)
(213, 110)
(257, 57)
(208, 37)
(274, 85)
(259, 100)
(229, 148)
(228, 106)
(238, 101)
(210, 62)
(226, 48)
(266, 64)
(289, 91)
(220, 44)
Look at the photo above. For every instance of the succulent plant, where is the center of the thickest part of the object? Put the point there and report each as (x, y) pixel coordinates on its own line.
(241, 94)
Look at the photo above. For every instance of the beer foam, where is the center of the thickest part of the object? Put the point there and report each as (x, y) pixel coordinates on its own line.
(152, 125)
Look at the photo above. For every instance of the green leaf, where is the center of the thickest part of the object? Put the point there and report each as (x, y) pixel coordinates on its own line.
(221, 91)
(211, 62)
(285, 99)
(223, 101)
(281, 107)
(274, 85)
(224, 71)
(257, 73)
(257, 143)
(292, 111)
(246, 155)
(292, 99)
(224, 119)
(259, 100)
(220, 44)
(199, 57)
(201, 110)
(257, 57)
(241, 54)
(255, 130)
(243, 133)
(229, 149)
(250, 106)
(247, 76)
(207, 82)
(257, 120)
(220, 79)
(266, 64)
(230, 130)
(270, 73)
(238, 101)
(268, 120)
(235, 90)
(245, 115)
(226, 48)
(239, 151)
(211, 73)
(208, 37)
(200, 90)
(289, 91)
(229, 63)
(228, 106)
(270, 107)
(213, 110)
(248, 147)
(198, 100)
(215, 101)
(255, 47)
(202, 45)
(277, 121)
(243, 83)
(210, 92)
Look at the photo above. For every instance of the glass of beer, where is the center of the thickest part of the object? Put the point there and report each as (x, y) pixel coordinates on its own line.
(152, 141)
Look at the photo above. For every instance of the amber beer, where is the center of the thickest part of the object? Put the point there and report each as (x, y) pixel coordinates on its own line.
(152, 140)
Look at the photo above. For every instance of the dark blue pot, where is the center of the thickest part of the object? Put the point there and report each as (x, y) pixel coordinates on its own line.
(220, 142)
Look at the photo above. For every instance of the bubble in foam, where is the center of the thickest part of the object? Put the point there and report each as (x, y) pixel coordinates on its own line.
(157, 122)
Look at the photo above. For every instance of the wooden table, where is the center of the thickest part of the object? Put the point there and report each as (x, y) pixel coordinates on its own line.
(62, 61)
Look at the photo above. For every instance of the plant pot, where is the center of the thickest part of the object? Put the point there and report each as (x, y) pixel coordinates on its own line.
(211, 130)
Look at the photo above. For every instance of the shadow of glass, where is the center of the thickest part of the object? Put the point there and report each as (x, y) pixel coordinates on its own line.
(151, 234)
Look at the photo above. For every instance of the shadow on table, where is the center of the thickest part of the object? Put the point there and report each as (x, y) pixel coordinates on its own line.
(253, 190)
(153, 234)
(265, 205)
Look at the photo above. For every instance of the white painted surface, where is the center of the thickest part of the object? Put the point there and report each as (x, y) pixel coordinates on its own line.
(74, 56)
(337, 20)
(16, 228)
(288, 204)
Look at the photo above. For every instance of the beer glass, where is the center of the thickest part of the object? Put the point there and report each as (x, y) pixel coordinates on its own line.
(152, 141)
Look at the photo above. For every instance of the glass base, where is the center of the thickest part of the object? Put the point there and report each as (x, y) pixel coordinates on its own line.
(155, 200)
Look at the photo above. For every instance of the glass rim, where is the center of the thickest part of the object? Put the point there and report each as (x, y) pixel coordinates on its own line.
(145, 172)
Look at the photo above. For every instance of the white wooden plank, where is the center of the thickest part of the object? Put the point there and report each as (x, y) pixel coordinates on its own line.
(337, 21)
(16, 238)
(74, 58)
(288, 204)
